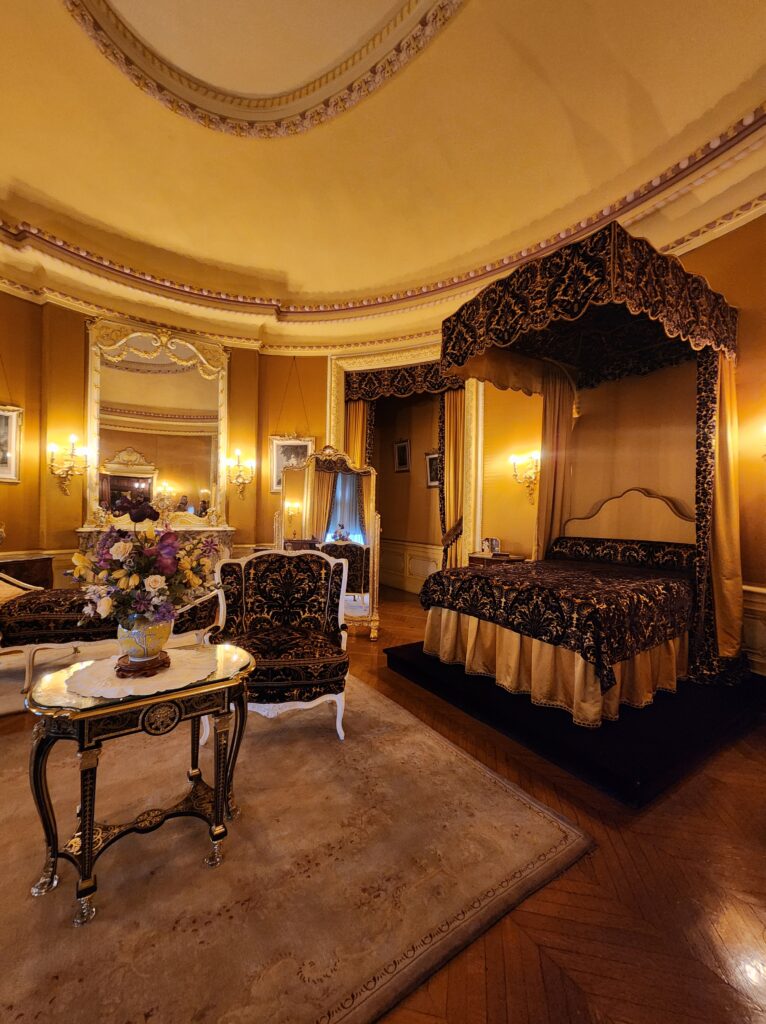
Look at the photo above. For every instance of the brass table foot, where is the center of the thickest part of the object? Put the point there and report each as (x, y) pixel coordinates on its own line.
(48, 879)
(215, 857)
(85, 911)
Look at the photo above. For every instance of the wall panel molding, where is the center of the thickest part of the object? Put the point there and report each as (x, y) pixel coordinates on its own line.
(755, 627)
(406, 564)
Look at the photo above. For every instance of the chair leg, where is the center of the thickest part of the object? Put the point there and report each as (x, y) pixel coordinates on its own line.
(340, 704)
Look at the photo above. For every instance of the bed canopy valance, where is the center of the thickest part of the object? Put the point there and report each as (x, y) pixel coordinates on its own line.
(604, 307)
(599, 309)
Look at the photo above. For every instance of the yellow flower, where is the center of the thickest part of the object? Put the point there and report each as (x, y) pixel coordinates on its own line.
(134, 580)
(103, 574)
(124, 583)
(81, 560)
(119, 573)
(184, 563)
(191, 579)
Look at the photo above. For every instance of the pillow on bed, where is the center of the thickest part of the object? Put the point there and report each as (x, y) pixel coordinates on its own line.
(649, 553)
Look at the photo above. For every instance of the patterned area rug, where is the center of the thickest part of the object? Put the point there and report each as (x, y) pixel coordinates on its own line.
(355, 871)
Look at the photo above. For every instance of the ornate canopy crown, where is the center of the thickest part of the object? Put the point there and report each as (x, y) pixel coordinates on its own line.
(605, 307)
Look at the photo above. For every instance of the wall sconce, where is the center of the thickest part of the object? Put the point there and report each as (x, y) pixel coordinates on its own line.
(240, 475)
(65, 467)
(527, 476)
(292, 508)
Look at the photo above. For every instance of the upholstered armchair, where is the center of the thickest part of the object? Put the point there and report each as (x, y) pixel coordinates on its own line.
(358, 558)
(286, 609)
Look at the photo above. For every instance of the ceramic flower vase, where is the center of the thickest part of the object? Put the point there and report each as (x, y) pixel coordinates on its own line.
(142, 640)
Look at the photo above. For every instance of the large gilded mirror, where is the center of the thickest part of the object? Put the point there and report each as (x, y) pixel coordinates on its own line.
(157, 419)
(328, 504)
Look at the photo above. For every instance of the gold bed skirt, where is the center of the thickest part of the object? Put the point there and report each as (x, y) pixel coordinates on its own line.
(553, 675)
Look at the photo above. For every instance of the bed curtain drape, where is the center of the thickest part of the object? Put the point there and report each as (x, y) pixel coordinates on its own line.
(725, 539)
(357, 414)
(324, 493)
(451, 448)
(558, 398)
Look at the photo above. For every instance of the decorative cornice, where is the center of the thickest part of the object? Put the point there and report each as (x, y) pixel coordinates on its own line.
(723, 221)
(415, 24)
(23, 235)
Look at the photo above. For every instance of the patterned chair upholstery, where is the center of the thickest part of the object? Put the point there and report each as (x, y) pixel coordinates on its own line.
(286, 609)
(358, 558)
(41, 620)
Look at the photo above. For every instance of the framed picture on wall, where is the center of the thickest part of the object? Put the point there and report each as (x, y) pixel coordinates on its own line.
(432, 469)
(287, 452)
(401, 456)
(11, 417)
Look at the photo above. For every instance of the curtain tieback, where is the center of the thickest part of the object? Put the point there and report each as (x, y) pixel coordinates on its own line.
(449, 538)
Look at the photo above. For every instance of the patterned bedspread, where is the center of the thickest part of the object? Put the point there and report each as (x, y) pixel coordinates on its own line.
(606, 613)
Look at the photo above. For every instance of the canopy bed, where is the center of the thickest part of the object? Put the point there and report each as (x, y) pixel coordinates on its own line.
(595, 621)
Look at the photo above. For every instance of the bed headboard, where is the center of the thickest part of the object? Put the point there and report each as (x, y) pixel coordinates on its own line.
(636, 514)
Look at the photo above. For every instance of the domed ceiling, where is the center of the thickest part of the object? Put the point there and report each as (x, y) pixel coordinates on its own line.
(472, 135)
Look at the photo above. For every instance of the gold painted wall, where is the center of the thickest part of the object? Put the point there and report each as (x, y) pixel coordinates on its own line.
(20, 384)
(636, 432)
(512, 425)
(736, 265)
(280, 411)
(243, 434)
(409, 510)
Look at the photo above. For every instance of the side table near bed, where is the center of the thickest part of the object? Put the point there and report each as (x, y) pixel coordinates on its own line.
(91, 720)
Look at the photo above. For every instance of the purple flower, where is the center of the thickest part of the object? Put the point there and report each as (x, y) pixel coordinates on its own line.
(142, 602)
(138, 509)
(164, 612)
(209, 547)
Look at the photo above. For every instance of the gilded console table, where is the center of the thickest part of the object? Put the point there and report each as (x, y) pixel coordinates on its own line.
(91, 721)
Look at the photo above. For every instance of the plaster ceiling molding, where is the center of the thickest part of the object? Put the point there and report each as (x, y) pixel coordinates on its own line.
(725, 157)
(260, 70)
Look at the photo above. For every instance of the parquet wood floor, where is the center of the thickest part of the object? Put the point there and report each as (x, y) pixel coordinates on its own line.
(664, 923)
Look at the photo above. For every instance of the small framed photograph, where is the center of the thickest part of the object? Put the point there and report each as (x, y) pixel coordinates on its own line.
(401, 456)
(432, 469)
(287, 453)
(11, 417)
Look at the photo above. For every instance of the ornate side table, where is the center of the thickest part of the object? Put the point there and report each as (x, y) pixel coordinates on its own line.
(90, 721)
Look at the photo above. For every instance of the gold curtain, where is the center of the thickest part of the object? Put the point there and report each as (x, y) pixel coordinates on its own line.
(558, 398)
(356, 431)
(369, 512)
(324, 491)
(454, 446)
(726, 565)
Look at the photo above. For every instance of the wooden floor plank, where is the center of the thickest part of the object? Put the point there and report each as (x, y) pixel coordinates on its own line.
(663, 923)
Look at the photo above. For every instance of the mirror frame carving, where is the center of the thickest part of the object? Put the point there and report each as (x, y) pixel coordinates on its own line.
(112, 338)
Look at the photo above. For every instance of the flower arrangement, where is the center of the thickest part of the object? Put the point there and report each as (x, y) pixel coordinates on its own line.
(143, 575)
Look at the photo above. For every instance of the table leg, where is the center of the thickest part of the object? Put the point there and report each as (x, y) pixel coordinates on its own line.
(86, 884)
(222, 723)
(194, 772)
(240, 721)
(42, 744)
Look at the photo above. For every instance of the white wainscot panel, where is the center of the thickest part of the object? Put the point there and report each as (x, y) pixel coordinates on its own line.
(406, 564)
(755, 628)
